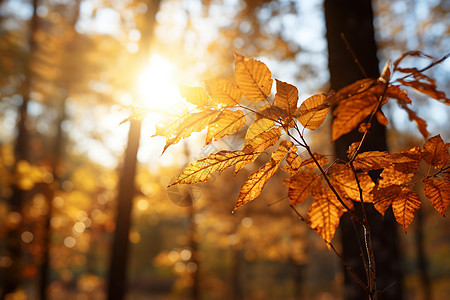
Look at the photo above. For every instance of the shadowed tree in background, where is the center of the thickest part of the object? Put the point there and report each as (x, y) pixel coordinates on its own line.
(13, 273)
(117, 279)
(354, 20)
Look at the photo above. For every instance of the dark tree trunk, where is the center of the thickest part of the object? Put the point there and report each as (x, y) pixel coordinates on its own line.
(117, 279)
(354, 19)
(12, 276)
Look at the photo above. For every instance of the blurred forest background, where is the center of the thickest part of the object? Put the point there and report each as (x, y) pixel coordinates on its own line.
(72, 70)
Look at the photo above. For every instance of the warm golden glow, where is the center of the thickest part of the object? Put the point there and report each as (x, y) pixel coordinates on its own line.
(157, 85)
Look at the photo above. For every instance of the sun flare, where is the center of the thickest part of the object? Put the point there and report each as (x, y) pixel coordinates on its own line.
(157, 85)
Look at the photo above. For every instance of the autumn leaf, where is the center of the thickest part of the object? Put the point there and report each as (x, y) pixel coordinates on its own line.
(253, 78)
(350, 112)
(195, 95)
(286, 98)
(372, 160)
(381, 118)
(435, 152)
(385, 196)
(256, 181)
(313, 111)
(228, 122)
(293, 161)
(428, 88)
(188, 124)
(310, 163)
(301, 184)
(421, 124)
(258, 144)
(324, 213)
(224, 92)
(354, 89)
(201, 170)
(404, 206)
(257, 127)
(343, 178)
(438, 191)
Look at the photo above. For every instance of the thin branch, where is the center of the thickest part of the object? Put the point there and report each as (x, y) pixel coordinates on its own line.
(355, 58)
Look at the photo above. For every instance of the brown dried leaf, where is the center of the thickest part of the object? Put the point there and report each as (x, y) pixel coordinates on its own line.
(421, 124)
(438, 191)
(224, 92)
(313, 111)
(256, 181)
(428, 88)
(201, 170)
(300, 185)
(404, 206)
(435, 152)
(381, 118)
(324, 213)
(409, 53)
(354, 89)
(228, 122)
(253, 78)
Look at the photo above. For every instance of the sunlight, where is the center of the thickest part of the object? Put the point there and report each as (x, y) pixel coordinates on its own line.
(157, 85)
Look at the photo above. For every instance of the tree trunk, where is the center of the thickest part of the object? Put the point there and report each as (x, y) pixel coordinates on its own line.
(13, 273)
(354, 19)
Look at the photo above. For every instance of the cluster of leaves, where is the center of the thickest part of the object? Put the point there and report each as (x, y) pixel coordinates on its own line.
(279, 121)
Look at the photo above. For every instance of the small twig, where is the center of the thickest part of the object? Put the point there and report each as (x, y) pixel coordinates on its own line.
(355, 58)
(303, 219)
(432, 64)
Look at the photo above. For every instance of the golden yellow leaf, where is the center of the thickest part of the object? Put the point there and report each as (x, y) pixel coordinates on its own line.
(195, 95)
(258, 144)
(404, 206)
(286, 98)
(224, 92)
(253, 78)
(228, 122)
(350, 112)
(201, 170)
(301, 184)
(313, 111)
(325, 213)
(257, 127)
(435, 151)
(438, 191)
(188, 124)
(256, 181)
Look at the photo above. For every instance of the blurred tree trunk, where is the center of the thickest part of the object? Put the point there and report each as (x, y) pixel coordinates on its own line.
(56, 158)
(421, 256)
(354, 19)
(118, 262)
(13, 273)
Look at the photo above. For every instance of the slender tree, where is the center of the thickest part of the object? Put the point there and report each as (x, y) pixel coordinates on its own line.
(352, 55)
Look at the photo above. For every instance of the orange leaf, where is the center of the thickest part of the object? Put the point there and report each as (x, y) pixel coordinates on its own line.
(224, 92)
(313, 111)
(350, 112)
(383, 197)
(354, 89)
(435, 151)
(201, 170)
(300, 186)
(257, 127)
(228, 122)
(381, 118)
(343, 178)
(372, 160)
(428, 89)
(321, 159)
(438, 191)
(404, 206)
(253, 78)
(256, 181)
(324, 213)
(421, 124)
(293, 161)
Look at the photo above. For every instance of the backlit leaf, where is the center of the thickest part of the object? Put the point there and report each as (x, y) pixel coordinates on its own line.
(438, 191)
(350, 112)
(324, 213)
(201, 170)
(224, 92)
(195, 95)
(256, 181)
(421, 124)
(354, 89)
(253, 78)
(310, 163)
(435, 151)
(188, 124)
(286, 98)
(372, 160)
(301, 184)
(428, 88)
(293, 161)
(343, 178)
(383, 197)
(228, 122)
(257, 127)
(404, 206)
(313, 111)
